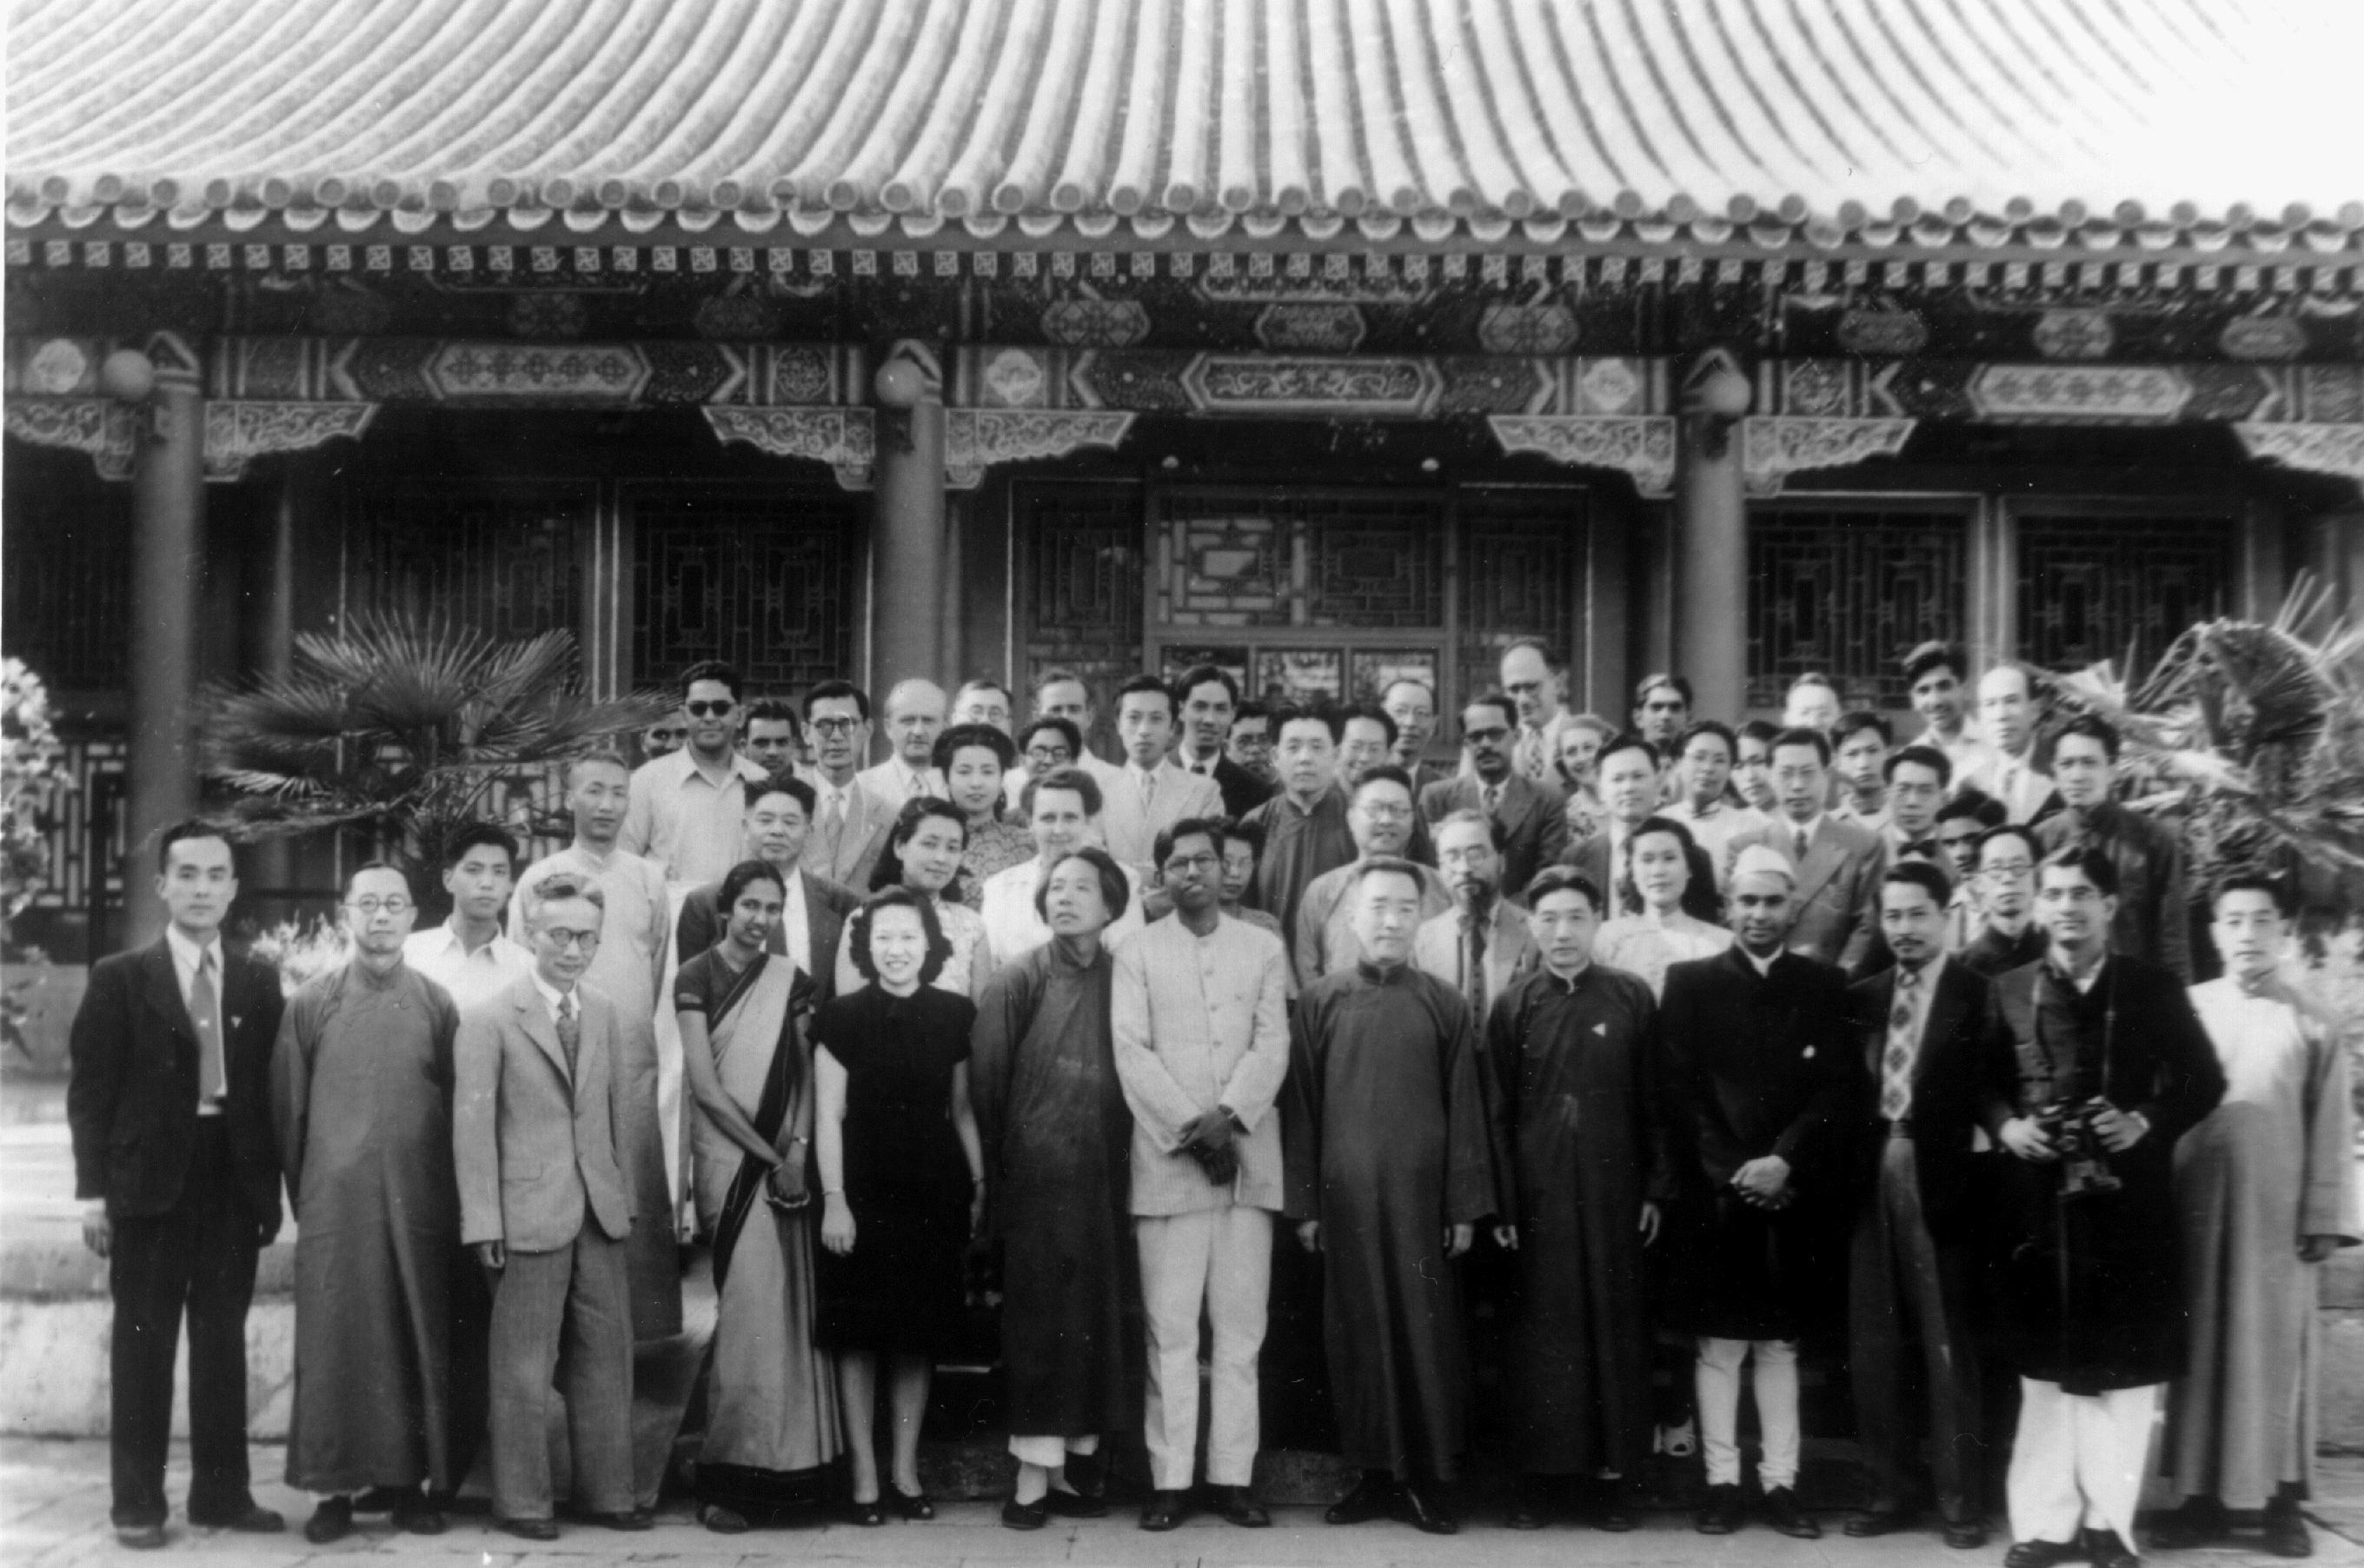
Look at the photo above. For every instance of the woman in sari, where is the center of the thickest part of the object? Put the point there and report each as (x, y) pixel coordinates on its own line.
(922, 855)
(1667, 873)
(772, 1427)
(974, 759)
(1058, 1142)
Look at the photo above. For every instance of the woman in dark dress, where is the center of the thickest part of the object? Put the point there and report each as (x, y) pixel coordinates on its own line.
(902, 1178)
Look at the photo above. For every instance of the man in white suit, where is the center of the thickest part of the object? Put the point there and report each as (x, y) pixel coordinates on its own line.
(1149, 792)
(846, 816)
(2007, 715)
(915, 717)
(1201, 1028)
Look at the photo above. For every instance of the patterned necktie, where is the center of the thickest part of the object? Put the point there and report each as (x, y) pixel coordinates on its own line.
(1896, 1066)
(570, 1029)
(1473, 965)
(1529, 756)
(204, 1016)
(832, 821)
(1493, 795)
(1804, 839)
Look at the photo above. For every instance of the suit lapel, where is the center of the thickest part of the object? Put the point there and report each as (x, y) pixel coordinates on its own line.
(533, 1014)
(822, 923)
(1824, 856)
(161, 983)
(1874, 1025)
(1945, 1009)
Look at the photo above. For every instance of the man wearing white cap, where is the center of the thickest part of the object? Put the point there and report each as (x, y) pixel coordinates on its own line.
(1760, 1080)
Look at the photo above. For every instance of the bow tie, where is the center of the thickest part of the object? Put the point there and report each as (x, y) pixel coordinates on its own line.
(1926, 847)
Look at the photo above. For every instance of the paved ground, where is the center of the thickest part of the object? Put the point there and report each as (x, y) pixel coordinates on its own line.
(54, 1515)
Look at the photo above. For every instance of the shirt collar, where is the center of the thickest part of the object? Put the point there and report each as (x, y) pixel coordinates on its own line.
(1925, 976)
(551, 997)
(186, 954)
(1762, 966)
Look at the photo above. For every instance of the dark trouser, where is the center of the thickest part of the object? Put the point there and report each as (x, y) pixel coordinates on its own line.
(199, 1256)
(568, 1313)
(1902, 1286)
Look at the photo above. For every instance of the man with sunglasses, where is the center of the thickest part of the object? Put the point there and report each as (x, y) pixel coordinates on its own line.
(685, 806)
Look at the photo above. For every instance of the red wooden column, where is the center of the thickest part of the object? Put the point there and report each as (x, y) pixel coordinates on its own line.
(907, 574)
(1711, 609)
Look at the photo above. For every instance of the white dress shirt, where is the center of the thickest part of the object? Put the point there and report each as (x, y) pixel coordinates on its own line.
(471, 978)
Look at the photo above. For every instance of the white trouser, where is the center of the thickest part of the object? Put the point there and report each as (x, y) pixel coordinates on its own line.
(1717, 1378)
(2078, 1459)
(1223, 1258)
(1051, 1453)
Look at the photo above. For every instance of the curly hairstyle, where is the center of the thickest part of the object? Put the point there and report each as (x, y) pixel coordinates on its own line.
(940, 946)
(889, 872)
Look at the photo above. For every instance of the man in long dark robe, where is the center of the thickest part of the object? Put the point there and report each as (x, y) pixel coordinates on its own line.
(1758, 1072)
(1389, 1169)
(1058, 1141)
(2008, 937)
(361, 1091)
(1571, 1051)
(1304, 825)
(2094, 1066)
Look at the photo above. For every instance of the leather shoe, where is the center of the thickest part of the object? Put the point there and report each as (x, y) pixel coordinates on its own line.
(381, 1499)
(1781, 1512)
(917, 1505)
(332, 1520)
(529, 1529)
(1087, 1473)
(1869, 1522)
(1069, 1505)
(2042, 1554)
(253, 1520)
(629, 1520)
(1015, 1515)
(722, 1520)
(1533, 1507)
(420, 1515)
(869, 1515)
(1424, 1512)
(2105, 1550)
(2195, 1521)
(1165, 1509)
(1964, 1535)
(1721, 1514)
(140, 1538)
(2286, 1530)
(1238, 1506)
(1372, 1498)
(1606, 1507)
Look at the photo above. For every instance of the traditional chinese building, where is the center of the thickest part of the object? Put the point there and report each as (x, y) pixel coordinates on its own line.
(1324, 338)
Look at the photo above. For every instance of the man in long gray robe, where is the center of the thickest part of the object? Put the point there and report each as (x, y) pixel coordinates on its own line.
(362, 1104)
(1389, 1169)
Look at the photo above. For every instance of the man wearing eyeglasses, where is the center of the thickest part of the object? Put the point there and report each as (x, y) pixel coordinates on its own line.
(1534, 827)
(360, 1093)
(2008, 937)
(1380, 815)
(846, 814)
(685, 806)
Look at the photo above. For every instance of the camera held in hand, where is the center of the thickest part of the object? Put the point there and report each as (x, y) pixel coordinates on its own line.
(2084, 1163)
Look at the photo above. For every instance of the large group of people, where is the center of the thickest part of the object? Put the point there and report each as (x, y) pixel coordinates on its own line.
(1678, 1044)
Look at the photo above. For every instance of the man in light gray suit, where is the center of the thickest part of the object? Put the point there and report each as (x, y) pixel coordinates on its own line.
(846, 814)
(1533, 818)
(1839, 863)
(1200, 1025)
(1151, 792)
(535, 1126)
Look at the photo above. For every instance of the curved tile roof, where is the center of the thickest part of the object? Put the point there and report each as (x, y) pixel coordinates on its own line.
(1984, 122)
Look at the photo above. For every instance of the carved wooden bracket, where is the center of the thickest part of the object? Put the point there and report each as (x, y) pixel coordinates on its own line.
(236, 433)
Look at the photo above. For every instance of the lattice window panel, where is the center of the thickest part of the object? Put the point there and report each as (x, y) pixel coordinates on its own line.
(508, 560)
(65, 598)
(1848, 593)
(764, 580)
(2096, 587)
(1522, 575)
(1084, 584)
(70, 819)
(1302, 558)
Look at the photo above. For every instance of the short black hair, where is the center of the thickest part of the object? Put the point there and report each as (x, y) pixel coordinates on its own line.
(838, 691)
(1974, 803)
(1801, 735)
(1142, 684)
(599, 757)
(1563, 880)
(407, 890)
(1058, 675)
(1067, 729)
(1934, 655)
(2089, 861)
(1250, 707)
(1115, 891)
(1651, 682)
(1198, 675)
(1075, 779)
(1385, 773)
(1393, 681)
(1716, 727)
(1855, 721)
(963, 737)
(1330, 719)
(556, 888)
(1212, 829)
(1374, 713)
(2275, 887)
(2019, 831)
(1626, 740)
(1499, 700)
(2092, 726)
(1551, 659)
(472, 835)
(1247, 832)
(887, 872)
(1926, 875)
(194, 827)
(776, 711)
(788, 784)
(1927, 756)
(857, 932)
(714, 670)
(1764, 731)
(736, 880)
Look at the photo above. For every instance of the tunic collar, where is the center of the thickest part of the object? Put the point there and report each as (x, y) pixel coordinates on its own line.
(1381, 975)
(360, 974)
(1570, 986)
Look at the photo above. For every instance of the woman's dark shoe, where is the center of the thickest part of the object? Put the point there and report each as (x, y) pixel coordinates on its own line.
(1167, 1510)
(722, 1520)
(1781, 1511)
(626, 1520)
(332, 1520)
(1532, 1508)
(1015, 1515)
(1238, 1505)
(1870, 1522)
(2286, 1530)
(910, 1504)
(420, 1514)
(869, 1515)
(1421, 1509)
(1373, 1497)
(1608, 1507)
(1087, 1473)
(1721, 1513)
(528, 1530)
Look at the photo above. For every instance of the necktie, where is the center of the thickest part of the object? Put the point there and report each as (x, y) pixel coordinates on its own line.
(1804, 838)
(1530, 754)
(1896, 1064)
(1493, 795)
(204, 1016)
(1148, 791)
(832, 821)
(1473, 965)
(570, 1030)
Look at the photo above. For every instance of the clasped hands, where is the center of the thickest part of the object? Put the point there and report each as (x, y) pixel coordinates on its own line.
(1209, 1141)
(1764, 1182)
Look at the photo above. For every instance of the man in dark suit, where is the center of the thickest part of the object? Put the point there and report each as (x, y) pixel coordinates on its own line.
(776, 829)
(1412, 705)
(1839, 864)
(178, 1173)
(1534, 826)
(2154, 918)
(1911, 1268)
(1627, 773)
(1211, 699)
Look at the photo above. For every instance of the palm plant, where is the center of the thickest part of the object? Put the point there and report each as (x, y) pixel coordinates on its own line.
(403, 728)
(2250, 735)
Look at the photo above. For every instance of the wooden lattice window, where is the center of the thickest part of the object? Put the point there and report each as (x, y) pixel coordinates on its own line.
(1521, 572)
(505, 559)
(65, 599)
(760, 577)
(2102, 586)
(1082, 570)
(1847, 592)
